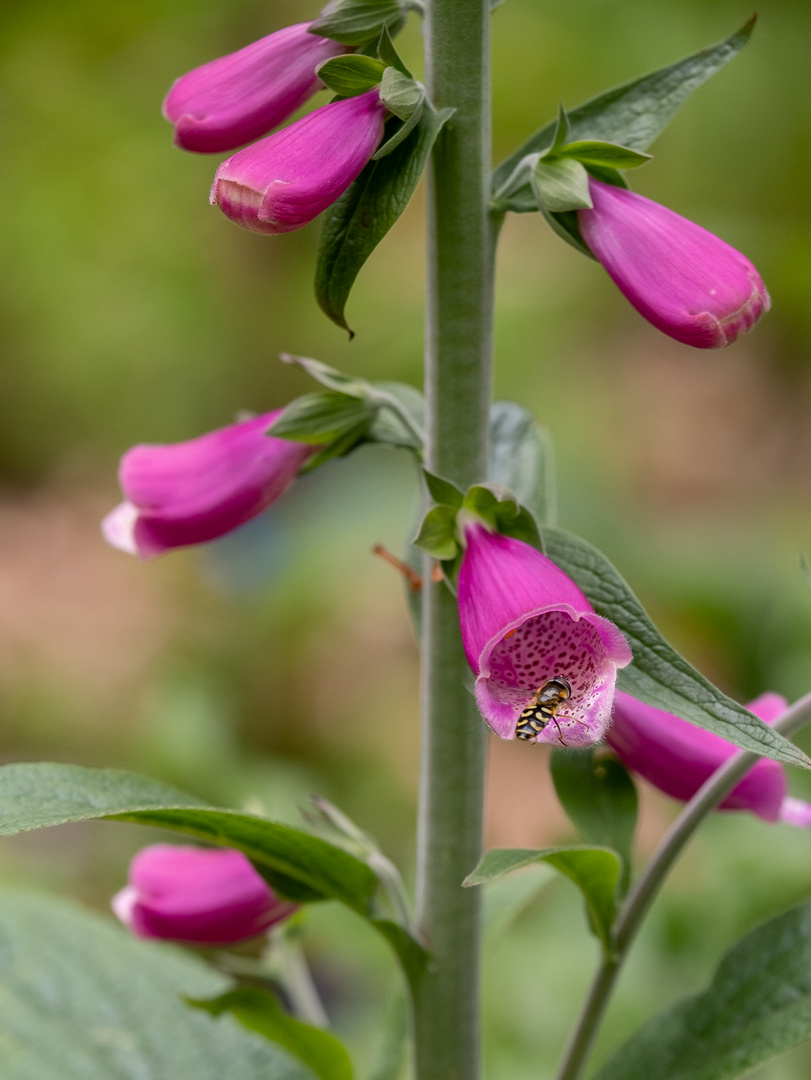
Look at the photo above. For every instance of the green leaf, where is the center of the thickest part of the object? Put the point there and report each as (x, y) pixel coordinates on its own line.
(357, 22)
(412, 956)
(442, 491)
(600, 800)
(85, 1000)
(658, 675)
(298, 865)
(401, 94)
(607, 154)
(321, 417)
(522, 459)
(350, 75)
(562, 129)
(258, 1010)
(758, 1005)
(356, 223)
(330, 376)
(594, 870)
(631, 115)
(437, 533)
(561, 184)
(389, 55)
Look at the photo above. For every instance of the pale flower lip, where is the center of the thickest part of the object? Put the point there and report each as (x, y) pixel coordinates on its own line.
(198, 896)
(236, 98)
(677, 757)
(684, 280)
(177, 494)
(284, 181)
(525, 622)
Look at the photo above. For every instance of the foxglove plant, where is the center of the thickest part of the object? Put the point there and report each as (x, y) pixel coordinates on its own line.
(544, 621)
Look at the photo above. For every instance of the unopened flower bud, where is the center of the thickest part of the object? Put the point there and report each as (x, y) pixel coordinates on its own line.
(684, 280)
(284, 181)
(236, 98)
(198, 896)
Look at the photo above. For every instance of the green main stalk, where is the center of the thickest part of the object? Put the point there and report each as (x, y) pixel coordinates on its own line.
(458, 382)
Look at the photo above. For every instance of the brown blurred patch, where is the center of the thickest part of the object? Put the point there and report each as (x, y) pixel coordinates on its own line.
(76, 617)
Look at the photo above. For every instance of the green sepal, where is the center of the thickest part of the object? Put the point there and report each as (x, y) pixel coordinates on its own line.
(630, 115)
(437, 533)
(389, 55)
(604, 154)
(443, 491)
(357, 22)
(757, 1005)
(401, 94)
(350, 75)
(600, 800)
(608, 176)
(562, 129)
(499, 508)
(356, 223)
(595, 871)
(259, 1010)
(321, 417)
(561, 184)
(328, 376)
(339, 447)
(400, 134)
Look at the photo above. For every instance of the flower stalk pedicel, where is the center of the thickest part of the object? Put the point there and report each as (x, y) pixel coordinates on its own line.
(284, 181)
(199, 896)
(192, 492)
(535, 643)
(677, 757)
(684, 280)
(236, 98)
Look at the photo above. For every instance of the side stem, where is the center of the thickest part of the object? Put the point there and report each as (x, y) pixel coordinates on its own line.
(458, 377)
(639, 900)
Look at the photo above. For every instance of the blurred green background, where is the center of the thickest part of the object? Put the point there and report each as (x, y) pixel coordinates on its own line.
(281, 660)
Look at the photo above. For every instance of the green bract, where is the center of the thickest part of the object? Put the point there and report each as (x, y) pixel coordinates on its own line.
(351, 75)
(357, 22)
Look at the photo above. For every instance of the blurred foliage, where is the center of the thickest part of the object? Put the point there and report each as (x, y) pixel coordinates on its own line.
(280, 660)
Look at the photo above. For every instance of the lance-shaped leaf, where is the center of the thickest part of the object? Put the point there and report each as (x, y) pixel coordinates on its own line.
(351, 75)
(594, 870)
(658, 674)
(84, 1000)
(358, 221)
(606, 154)
(631, 115)
(259, 1011)
(357, 22)
(600, 800)
(758, 1005)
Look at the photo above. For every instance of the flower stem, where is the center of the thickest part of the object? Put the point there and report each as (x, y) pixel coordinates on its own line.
(458, 381)
(641, 897)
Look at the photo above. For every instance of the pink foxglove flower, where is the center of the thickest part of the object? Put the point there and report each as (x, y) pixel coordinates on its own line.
(191, 492)
(281, 183)
(525, 624)
(236, 98)
(202, 897)
(677, 757)
(684, 280)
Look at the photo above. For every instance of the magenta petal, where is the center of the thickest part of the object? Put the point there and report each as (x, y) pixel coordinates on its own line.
(678, 757)
(195, 491)
(687, 282)
(281, 183)
(236, 98)
(198, 896)
(524, 622)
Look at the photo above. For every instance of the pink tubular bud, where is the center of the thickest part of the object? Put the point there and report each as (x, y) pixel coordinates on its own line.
(684, 280)
(525, 623)
(281, 183)
(236, 98)
(678, 757)
(199, 896)
(192, 492)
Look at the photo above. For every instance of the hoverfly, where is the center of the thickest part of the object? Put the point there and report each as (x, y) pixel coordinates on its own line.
(543, 707)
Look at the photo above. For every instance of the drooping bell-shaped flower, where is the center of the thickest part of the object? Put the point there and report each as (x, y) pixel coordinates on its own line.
(236, 98)
(687, 282)
(678, 757)
(199, 896)
(284, 181)
(525, 624)
(195, 491)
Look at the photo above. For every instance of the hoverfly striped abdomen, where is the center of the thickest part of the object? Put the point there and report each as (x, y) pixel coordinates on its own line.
(542, 708)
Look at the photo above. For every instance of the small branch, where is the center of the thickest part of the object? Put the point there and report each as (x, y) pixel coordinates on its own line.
(639, 900)
(409, 573)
